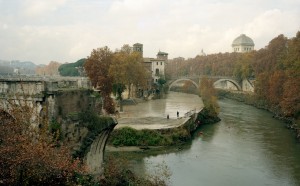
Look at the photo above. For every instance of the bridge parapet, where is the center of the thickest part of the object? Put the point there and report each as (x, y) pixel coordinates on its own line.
(40, 85)
(220, 82)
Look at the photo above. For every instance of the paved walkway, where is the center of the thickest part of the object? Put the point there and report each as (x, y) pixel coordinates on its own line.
(149, 122)
(153, 114)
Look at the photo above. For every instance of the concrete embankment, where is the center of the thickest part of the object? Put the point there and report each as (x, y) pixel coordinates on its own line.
(159, 123)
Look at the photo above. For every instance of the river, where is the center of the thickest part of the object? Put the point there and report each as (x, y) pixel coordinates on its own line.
(247, 147)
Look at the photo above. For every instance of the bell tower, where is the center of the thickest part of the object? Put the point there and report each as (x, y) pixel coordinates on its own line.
(138, 47)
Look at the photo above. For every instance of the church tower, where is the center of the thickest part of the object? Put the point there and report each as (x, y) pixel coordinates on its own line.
(138, 47)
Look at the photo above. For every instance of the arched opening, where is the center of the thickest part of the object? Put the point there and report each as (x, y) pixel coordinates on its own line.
(184, 85)
(227, 84)
(157, 72)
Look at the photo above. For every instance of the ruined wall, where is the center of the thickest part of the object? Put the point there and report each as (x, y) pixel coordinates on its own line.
(70, 102)
(63, 108)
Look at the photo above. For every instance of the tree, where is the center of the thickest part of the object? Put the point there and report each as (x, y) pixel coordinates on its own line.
(30, 155)
(208, 95)
(50, 69)
(71, 69)
(275, 91)
(290, 101)
(118, 89)
(97, 69)
(127, 68)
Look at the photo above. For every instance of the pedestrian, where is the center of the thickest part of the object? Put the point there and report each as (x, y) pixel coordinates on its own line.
(177, 114)
(168, 116)
(117, 114)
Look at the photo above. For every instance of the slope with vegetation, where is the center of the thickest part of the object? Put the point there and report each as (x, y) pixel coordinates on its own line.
(275, 68)
(71, 69)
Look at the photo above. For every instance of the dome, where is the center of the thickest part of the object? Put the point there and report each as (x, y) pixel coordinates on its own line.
(243, 40)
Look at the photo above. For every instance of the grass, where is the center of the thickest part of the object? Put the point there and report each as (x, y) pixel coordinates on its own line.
(131, 137)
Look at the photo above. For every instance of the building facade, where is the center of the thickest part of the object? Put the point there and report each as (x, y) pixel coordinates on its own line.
(242, 44)
(155, 66)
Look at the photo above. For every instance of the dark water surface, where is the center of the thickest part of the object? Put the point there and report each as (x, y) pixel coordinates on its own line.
(248, 148)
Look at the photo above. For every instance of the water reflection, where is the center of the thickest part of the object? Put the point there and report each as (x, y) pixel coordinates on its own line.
(162, 107)
(247, 147)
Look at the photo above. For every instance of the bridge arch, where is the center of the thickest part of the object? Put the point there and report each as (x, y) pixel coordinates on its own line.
(183, 79)
(95, 156)
(235, 83)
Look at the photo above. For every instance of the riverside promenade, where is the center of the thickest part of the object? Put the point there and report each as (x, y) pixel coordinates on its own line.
(153, 114)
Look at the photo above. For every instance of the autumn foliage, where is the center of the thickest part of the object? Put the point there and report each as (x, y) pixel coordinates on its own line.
(275, 69)
(97, 69)
(30, 155)
(109, 71)
(127, 68)
(50, 69)
(209, 97)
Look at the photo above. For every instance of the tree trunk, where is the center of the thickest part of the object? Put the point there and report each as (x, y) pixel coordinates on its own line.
(121, 104)
(129, 90)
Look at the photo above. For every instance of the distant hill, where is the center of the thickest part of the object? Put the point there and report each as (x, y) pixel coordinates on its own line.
(72, 69)
(21, 67)
(5, 70)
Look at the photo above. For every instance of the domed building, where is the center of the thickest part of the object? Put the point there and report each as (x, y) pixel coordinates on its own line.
(242, 44)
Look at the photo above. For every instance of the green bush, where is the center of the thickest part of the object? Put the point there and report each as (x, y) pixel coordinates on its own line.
(131, 137)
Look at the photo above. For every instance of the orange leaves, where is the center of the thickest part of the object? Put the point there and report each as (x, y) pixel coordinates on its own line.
(97, 68)
(208, 95)
(276, 82)
(290, 102)
(28, 156)
(50, 69)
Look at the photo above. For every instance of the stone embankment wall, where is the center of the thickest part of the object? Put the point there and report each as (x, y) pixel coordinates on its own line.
(191, 125)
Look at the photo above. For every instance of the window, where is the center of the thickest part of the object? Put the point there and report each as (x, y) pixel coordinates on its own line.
(156, 63)
(157, 72)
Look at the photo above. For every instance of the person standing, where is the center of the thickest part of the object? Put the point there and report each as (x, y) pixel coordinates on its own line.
(177, 114)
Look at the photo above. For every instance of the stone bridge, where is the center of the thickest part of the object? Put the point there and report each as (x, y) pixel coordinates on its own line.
(220, 82)
(60, 99)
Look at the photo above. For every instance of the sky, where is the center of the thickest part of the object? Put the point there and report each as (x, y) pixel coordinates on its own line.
(68, 30)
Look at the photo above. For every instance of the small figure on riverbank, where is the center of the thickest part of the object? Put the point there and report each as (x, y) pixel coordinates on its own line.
(168, 116)
(117, 114)
(177, 114)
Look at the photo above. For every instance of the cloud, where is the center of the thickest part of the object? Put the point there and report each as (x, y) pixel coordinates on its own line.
(67, 30)
(33, 8)
(270, 24)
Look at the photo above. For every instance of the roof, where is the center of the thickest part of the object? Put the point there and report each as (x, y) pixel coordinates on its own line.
(243, 40)
(137, 44)
(146, 59)
(162, 53)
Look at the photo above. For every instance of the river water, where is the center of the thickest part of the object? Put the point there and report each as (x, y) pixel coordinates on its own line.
(247, 147)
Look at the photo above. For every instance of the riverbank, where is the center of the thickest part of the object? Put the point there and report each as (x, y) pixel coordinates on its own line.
(168, 135)
(250, 99)
(156, 123)
(247, 147)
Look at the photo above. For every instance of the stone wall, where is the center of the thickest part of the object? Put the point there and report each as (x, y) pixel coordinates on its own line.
(225, 85)
(247, 86)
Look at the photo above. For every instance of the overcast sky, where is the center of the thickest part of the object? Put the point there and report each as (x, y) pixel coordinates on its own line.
(67, 30)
